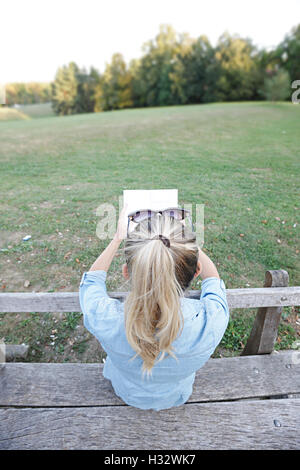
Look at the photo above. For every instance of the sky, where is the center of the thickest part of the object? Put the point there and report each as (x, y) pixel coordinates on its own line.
(38, 36)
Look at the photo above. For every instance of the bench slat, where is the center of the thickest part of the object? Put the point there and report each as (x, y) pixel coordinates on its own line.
(38, 384)
(261, 424)
(69, 301)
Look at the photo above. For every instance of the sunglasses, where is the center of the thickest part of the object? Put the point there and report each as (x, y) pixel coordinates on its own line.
(173, 212)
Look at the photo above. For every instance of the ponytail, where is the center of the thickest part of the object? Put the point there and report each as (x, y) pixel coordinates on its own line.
(153, 316)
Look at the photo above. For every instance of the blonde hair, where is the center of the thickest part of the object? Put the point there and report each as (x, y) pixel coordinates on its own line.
(159, 276)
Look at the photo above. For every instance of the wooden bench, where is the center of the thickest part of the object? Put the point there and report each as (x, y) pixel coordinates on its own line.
(246, 402)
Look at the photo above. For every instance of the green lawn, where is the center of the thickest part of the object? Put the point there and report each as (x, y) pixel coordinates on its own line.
(26, 111)
(37, 110)
(239, 159)
(11, 114)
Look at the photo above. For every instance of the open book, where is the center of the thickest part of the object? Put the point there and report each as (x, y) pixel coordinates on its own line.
(155, 199)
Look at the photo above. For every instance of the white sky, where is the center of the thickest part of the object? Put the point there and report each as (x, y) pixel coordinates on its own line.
(38, 36)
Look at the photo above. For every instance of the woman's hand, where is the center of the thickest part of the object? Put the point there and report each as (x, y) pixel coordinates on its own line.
(121, 232)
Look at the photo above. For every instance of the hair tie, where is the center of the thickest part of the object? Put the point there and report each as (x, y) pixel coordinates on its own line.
(165, 240)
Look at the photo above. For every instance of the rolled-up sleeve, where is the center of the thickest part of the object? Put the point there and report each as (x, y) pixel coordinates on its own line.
(213, 295)
(100, 311)
(92, 288)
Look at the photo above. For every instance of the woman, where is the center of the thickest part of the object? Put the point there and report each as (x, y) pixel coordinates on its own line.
(157, 330)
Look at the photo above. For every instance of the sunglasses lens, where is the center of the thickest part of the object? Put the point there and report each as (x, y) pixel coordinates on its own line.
(139, 216)
(177, 214)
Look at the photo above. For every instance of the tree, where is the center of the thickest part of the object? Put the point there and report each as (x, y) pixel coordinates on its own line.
(288, 53)
(277, 87)
(114, 89)
(73, 90)
(236, 69)
(191, 82)
(153, 73)
(27, 93)
(64, 89)
(86, 90)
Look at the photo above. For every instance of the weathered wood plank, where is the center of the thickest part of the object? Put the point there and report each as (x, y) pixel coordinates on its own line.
(69, 301)
(261, 424)
(265, 328)
(29, 384)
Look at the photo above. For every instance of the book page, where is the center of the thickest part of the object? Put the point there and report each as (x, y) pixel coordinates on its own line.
(155, 199)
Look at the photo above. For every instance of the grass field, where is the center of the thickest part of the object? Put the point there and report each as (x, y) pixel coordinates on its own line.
(11, 114)
(26, 111)
(37, 110)
(239, 159)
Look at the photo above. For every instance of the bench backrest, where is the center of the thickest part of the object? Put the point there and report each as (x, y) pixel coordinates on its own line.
(269, 299)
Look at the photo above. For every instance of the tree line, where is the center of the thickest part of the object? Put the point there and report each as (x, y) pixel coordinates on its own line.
(27, 93)
(176, 69)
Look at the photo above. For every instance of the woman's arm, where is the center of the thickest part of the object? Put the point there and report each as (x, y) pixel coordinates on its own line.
(208, 269)
(103, 262)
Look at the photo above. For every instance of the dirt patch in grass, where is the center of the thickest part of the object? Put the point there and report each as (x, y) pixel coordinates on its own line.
(49, 278)
(10, 238)
(51, 337)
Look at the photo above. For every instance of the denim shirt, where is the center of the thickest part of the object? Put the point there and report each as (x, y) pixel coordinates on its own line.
(171, 383)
